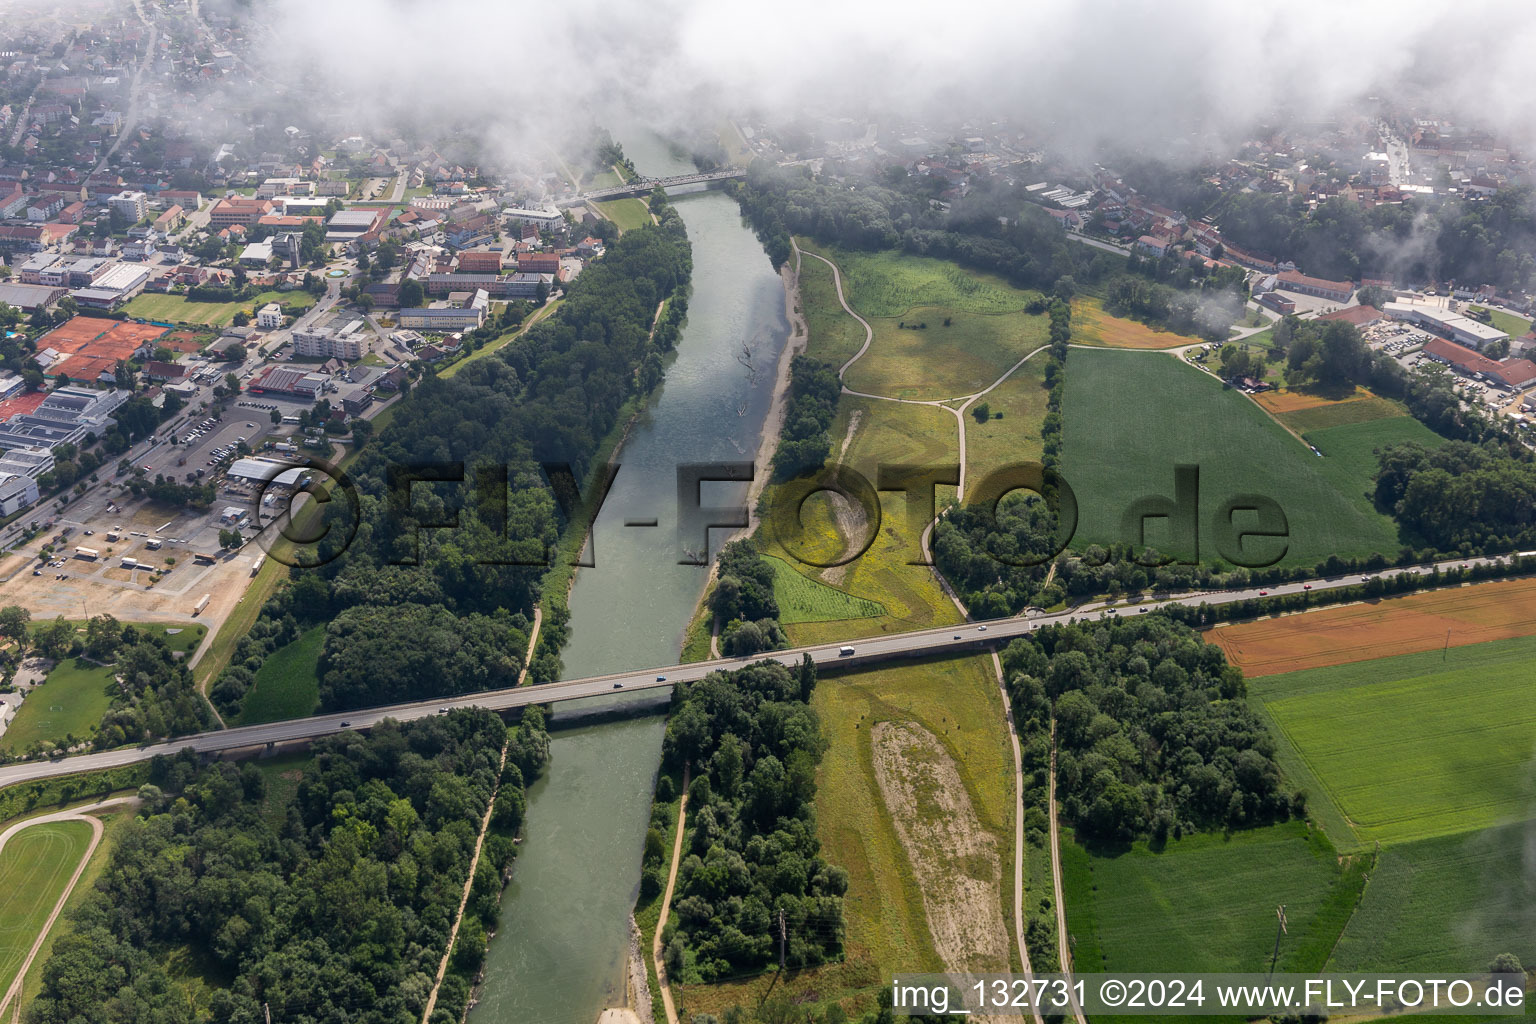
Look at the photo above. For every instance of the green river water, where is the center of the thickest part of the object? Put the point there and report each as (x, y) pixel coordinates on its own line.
(559, 956)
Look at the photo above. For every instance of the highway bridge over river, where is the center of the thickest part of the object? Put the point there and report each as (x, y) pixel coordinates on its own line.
(966, 638)
(641, 187)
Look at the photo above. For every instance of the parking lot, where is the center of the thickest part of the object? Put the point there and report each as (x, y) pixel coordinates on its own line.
(193, 453)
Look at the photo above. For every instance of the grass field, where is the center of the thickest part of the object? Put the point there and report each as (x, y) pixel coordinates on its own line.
(802, 599)
(1351, 447)
(833, 335)
(1415, 746)
(909, 594)
(1131, 417)
(1447, 904)
(1091, 325)
(1016, 437)
(942, 362)
(1495, 610)
(175, 309)
(35, 865)
(1207, 902)
(890, 283)
(957, 701)
(69, 703)
(626, 213)
(286, 685)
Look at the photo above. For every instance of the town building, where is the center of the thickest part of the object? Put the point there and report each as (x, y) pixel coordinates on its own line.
(120, 283)
(1513, 374)
(1322, 288)
(237, 212)
(480, 262)
(64, 417)
(270, 316)
(131, 206)
(350, 342)
(17, 491)
(289, 380)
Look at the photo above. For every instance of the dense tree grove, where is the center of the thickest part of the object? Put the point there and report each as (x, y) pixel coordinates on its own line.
(1153, 736)
(743, 602)
(336, 905)
(1171, 292)
(994, 228)
(804, 444)
(752, 743)
(380, 654)
(548, 397)
(1460, 496)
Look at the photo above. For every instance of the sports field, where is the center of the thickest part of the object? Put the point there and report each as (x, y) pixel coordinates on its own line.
(1091, 325)
(176, 309)
(70, 702)
(1452, 903)
(937, 361)
(286, 684)
(626, 213)
(1496, 610)
(90, 346)
(1207, 902)
(1415, 746)
(35, 865)
(1130, 417)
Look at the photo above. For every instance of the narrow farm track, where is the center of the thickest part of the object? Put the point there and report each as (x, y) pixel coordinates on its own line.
(1063, 940)
(666, 904)
(469, 882)
(12, 997)
(1018, 835)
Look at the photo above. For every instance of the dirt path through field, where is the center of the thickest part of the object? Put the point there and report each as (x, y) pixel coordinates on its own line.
(666, 904)
(1063, 939)
(1018, 834)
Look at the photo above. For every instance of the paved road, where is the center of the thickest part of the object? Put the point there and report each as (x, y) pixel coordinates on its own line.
(962, 639)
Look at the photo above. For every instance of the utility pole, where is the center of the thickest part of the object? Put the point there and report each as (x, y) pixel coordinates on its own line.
(1446, 651)
(783, 938)
(1280, 913)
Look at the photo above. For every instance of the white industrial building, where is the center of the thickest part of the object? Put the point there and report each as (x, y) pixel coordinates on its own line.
(1446, 322)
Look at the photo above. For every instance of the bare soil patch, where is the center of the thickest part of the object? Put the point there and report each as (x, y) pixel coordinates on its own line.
(954, 860)
(1497, 610)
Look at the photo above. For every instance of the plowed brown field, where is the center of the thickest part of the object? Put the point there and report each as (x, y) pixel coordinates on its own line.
(1496, 610)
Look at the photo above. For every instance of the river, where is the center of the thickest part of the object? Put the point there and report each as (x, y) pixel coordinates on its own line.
(559, 954)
